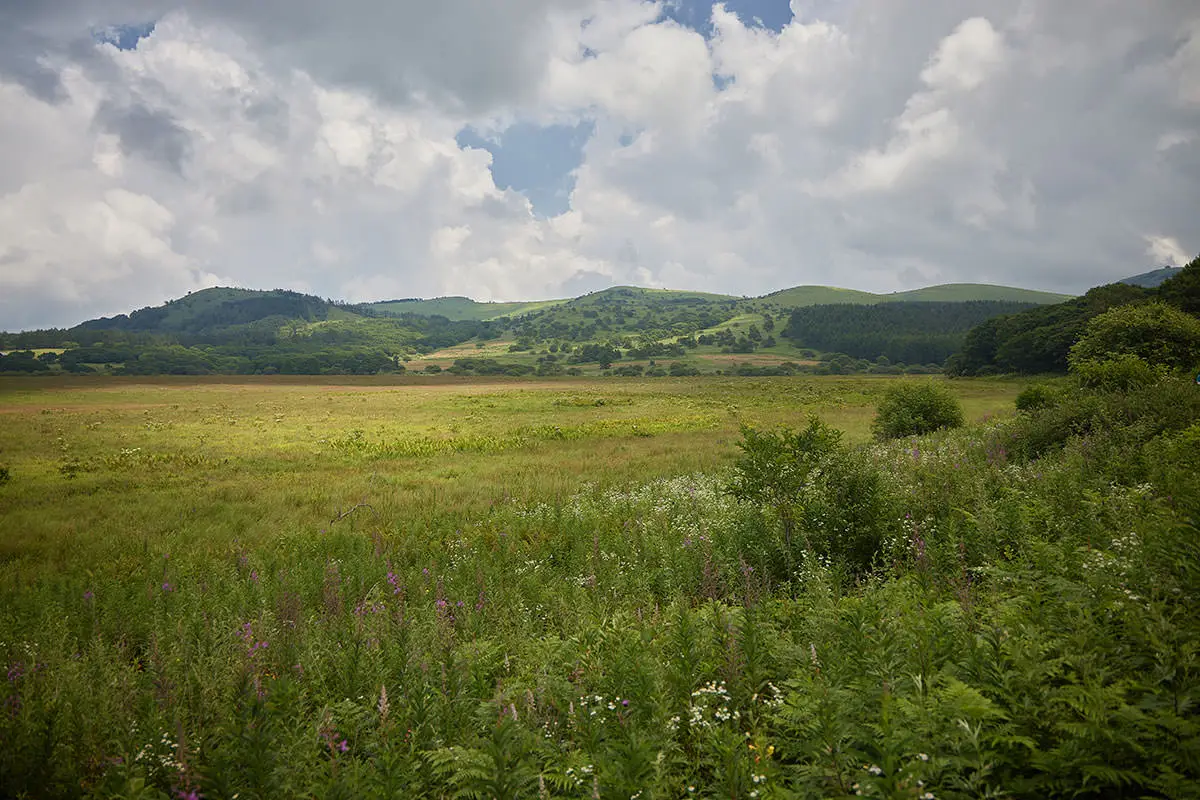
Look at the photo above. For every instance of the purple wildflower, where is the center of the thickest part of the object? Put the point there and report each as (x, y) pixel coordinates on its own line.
(167, 587)
(88, 595)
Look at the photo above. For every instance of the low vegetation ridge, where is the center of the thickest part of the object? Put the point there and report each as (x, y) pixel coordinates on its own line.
(621, 331)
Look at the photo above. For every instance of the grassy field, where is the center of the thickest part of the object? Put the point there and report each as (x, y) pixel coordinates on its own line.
(421, 587)
(251, 458)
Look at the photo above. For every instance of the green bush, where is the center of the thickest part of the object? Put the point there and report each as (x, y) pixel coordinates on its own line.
(1121, 373)
(910, 409)
(828, 498)
(1039, 395)
(1157, 333)
(5, 476)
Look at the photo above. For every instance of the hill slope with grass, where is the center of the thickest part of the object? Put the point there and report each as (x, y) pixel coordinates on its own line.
(241, 330)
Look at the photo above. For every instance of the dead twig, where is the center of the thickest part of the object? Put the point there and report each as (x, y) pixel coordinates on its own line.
(343, 514)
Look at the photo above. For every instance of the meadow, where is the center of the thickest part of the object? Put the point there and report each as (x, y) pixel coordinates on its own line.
(434, 587)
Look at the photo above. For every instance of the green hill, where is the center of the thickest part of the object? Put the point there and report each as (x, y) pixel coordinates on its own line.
(800, 296)
(1152, 279)
(247, 331)
(460, 308)
(970, 292)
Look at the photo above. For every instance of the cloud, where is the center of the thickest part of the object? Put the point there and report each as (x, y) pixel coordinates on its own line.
(1166, 250)
(876, 144)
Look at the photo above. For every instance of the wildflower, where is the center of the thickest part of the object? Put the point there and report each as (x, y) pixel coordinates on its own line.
(88, 595)
(167, 587)
(192, 795)
(923, 756)
(383, 703)
(343, 745)
(254, 575)
(874, 770)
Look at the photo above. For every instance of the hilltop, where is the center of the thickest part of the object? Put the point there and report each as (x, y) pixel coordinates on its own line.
(1153, 278)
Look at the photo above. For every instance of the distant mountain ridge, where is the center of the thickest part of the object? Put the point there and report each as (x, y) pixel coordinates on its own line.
(1154, 278)
(464, 308)
(246, 331)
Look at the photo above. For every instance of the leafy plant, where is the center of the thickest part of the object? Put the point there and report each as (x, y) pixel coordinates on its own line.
(1036, 396)
(1155, 332)
(910, 409)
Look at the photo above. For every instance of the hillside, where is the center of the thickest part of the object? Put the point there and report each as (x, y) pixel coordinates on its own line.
(228, 330)
(460, 308)
(974, 292)
(801, 296)
(1038, 340)
(1153, 278)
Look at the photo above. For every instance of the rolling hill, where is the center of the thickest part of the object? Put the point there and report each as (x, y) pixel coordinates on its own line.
(231, 330)
(460, 308)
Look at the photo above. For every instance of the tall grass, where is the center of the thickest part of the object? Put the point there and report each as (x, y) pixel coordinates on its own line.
(1028, 626)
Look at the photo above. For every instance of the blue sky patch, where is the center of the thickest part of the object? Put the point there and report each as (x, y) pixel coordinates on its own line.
(697, 14)
(125, 37)
(535, 160)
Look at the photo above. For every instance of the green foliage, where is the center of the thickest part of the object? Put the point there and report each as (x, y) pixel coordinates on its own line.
(1121, 372)
(1155, 332)
(909, 409)
(1038, 340)
(912, 332)
(1029, 626)
(828, 498)
(1036, 396)
(1183, 290)
(5, 475)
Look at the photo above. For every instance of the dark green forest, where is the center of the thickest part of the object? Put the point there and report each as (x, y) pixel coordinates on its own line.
(912, 333)
(1039, 340)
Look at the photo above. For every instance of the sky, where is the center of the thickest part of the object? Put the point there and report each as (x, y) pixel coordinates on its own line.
(378, 149)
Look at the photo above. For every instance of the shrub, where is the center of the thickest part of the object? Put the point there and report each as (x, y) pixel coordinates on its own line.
(1039, 395)
(1121, 373)
(829, 498)
(910, 409)
(5, 476)
(1155, 332)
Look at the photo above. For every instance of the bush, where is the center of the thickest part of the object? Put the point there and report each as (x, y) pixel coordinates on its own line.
(1125, 419)
(1122, 373)
(910, 409)
(1039, 395)
(829, 499)
(1157, 333)
(5, 476)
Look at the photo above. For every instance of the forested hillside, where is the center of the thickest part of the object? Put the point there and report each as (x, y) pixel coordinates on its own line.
(654, 331)
(913, 333)
(1039, 340)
